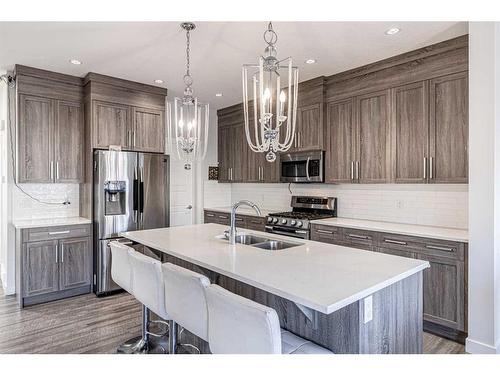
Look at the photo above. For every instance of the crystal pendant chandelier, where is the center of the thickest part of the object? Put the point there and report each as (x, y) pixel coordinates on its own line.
(187, 127)
(274, 84)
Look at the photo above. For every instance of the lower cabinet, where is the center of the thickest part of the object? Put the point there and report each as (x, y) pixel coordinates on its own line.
(242, 221)
(444, 283)
(51, 269)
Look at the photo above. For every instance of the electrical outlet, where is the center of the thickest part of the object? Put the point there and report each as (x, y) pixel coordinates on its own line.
(368, 309)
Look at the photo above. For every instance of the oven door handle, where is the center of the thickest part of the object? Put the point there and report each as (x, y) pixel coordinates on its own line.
(307, 168)
(294, 233)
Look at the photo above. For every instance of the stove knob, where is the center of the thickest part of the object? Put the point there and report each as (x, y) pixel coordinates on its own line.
(293, 223)
(269, 219)
(283, 221)
(275, 220)
(299, 223)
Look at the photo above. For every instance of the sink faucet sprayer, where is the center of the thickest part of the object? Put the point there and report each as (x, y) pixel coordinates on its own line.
(232, 229)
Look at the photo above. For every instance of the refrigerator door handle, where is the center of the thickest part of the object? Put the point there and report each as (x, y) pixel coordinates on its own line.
(135, 194)
(141, 196)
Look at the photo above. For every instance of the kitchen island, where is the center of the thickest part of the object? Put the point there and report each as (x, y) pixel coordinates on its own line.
(348, 300)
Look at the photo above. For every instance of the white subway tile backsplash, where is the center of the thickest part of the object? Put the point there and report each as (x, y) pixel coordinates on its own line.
(27, 208)
(439, 205)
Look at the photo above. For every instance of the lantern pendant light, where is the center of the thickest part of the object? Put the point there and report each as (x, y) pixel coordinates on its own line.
(271, 112)
(187, 122)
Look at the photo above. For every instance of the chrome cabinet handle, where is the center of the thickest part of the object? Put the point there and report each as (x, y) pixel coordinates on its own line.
(324, 231)
(352, 170)
(358, 236)
(57, 170)
(129, 143)
(51, 170)
(425, 168)
(295, 140)
(60, 232)
(307, 168)
(223, 217)
(395, 242)
(441, 248)
(57, 254)
(299, 140)
(134, 137)
(357, 170)
(431, 168)
(210, 215)
(62, 253)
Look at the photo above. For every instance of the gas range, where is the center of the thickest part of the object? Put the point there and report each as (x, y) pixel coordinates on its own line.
(296, 223)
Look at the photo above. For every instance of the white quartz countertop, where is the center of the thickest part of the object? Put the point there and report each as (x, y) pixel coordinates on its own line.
(52, 222)
(320, 276)
(242, 210)
(441, 233)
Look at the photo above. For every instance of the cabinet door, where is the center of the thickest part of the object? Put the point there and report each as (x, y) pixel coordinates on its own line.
(443, 288)
(35, 156)
(339, 155)
(68, 142)
(75, 263)
(112, 125)
(373, 140)
(411, 133)
(149, 130)
(270, 171)
(238, 152)
(309, 132)
(449, 131)
(40, 268)
(223, 150)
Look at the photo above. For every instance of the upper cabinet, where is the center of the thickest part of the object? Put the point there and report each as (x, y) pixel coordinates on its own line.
(50, 127)
(449, 129)
(124, 114)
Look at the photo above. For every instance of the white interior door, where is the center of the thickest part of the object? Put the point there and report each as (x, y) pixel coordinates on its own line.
(181, 194)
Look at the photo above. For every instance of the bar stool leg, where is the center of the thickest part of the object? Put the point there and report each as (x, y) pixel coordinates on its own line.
(138, 344)
(172, 338)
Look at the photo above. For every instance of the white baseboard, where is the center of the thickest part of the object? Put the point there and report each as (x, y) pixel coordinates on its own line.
(476, 347)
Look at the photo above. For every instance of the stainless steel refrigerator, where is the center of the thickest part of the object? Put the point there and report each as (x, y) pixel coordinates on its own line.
(131, 192)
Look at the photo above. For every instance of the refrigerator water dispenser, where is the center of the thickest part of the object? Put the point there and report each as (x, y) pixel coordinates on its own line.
(115, 198)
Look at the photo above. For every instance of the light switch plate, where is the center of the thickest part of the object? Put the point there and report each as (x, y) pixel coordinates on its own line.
(368, 309)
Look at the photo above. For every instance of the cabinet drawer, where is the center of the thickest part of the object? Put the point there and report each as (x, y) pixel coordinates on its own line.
(401, 253)
(428, 246)
(325, 233)
(255, 223)
(54, 233)
(219, 218)
(360, 239)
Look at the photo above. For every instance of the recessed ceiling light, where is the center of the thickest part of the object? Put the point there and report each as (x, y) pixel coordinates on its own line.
(159, 81)
(219, 94)
(392, 31)
(75, 62)
(310, 61)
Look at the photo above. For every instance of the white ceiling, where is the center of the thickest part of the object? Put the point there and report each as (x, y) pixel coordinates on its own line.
(145, 51)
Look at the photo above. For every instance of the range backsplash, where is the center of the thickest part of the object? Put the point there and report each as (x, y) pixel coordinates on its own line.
(437, 205)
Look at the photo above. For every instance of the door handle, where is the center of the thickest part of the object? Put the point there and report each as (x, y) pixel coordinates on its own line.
(189, 206)
(395, 242)
(440, 248)
(57, 170)
(60, 232)
(322, 231)
(357, 170)
(62, 253)
(299, 143)
(357, 236)
(352, 170)
(51, 170)
(57, 254)
(431, 168)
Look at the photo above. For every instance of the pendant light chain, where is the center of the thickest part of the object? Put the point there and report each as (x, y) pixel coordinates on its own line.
(188, 80)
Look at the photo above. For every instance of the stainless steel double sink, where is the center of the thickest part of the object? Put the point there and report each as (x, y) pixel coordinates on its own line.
(264, 243)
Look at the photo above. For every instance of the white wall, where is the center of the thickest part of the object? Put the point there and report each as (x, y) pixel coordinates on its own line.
(3, 183)
(439, 205)
(484, 188)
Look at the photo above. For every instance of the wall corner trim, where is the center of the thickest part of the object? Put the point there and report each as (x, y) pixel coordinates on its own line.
(476, 347)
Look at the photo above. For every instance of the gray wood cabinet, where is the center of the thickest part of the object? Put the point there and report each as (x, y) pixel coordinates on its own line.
(148, 130)
(444, 283)
(112, 125)
(232, 152)
(51, 263)
(411, 133)
(449, 129)
(75, 262)
(40, 266)
(35, 143)
(242, 221)
(309, 128)
(68, 142)
(340, 141)
(224, 155)
(50, 140)
(372, 161)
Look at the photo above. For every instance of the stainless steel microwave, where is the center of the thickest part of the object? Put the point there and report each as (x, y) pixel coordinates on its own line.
(306, 166)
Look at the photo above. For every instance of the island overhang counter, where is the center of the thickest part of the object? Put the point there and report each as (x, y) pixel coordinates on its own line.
(348, 300)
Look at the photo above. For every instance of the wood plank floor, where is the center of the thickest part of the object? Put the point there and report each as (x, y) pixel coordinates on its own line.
(87, 324)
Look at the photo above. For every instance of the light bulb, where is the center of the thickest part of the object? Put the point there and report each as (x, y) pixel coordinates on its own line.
(190, 125)
(282, 97)
(267, 93)
(181, 124)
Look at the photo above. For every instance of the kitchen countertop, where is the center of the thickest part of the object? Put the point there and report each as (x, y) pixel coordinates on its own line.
(242, 210)
(320, 276)
(51, 222)
(442, 233)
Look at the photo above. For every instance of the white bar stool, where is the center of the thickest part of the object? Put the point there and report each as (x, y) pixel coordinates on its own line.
(186, 303)
(147, 288)
(121, 273)
(237, 325)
